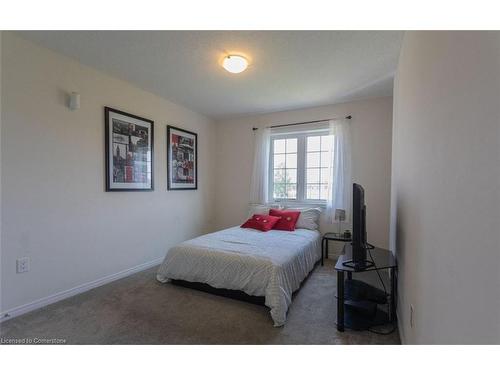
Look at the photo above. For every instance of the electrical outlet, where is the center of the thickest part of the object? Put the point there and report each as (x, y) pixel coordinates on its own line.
(412, 316)
(23, 265)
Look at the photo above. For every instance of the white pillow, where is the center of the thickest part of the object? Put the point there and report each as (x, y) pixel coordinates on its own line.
(262, 209)
(308, 218)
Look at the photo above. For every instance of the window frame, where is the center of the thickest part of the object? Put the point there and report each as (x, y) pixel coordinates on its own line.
(301, 167)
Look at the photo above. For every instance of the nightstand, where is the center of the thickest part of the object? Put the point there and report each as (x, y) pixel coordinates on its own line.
(331, 237)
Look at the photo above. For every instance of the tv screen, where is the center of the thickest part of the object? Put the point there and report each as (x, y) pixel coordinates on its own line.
(358, 226)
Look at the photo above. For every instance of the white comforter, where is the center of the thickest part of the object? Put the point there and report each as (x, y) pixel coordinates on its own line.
(270, 264)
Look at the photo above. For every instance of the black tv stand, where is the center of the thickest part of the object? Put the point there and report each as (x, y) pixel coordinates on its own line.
(362, 305)
(358, 303)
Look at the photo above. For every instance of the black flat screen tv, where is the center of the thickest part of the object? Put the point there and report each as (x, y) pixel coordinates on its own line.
(359, 244)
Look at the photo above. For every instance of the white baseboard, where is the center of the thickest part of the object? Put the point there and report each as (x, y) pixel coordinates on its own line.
(23, 309)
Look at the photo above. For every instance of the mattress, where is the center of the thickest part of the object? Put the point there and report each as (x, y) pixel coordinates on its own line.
(270, 264)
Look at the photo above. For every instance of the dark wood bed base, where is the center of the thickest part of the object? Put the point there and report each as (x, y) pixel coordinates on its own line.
(234, 294)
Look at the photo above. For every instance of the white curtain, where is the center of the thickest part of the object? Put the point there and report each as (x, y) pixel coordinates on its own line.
(260, 175)
(340, 186)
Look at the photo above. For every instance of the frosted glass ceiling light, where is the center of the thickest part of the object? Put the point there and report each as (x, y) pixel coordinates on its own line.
(235, 64)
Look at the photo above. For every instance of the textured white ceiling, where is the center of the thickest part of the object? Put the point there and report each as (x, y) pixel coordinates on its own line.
(289, 69)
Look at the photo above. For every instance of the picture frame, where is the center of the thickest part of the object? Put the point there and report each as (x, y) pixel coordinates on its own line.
(182, 159)
(129, 151)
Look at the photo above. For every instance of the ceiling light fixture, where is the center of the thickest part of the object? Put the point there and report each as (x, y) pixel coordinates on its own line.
(234, 63)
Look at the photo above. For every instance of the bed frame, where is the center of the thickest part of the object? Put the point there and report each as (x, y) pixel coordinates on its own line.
(234, 294)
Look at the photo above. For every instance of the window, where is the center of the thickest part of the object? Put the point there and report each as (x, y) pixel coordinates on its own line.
(318, 157)
(300, 166)
(285, 168)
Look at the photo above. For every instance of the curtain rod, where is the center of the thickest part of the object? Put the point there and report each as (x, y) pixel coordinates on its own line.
(304, 123)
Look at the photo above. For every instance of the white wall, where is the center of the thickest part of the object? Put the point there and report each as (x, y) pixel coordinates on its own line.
(371, 137)
(55, 209)
(1, 37)
(446, 187)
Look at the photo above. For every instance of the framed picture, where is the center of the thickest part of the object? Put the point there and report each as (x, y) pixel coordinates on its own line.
(129, 151)
(182, 159)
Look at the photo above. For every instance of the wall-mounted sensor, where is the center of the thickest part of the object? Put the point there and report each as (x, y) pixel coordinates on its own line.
(74, 101)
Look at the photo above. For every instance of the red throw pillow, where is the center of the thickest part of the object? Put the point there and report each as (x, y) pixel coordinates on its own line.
(287, 221)
(263, 223)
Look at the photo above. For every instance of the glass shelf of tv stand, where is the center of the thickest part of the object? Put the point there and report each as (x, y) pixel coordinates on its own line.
(383, 259)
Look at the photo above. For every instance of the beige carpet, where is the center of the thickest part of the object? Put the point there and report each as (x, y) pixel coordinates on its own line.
(139, 310)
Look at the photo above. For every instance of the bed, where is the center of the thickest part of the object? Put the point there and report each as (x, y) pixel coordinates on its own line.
(269, 264)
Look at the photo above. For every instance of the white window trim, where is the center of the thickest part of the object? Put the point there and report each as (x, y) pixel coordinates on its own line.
(301, 169)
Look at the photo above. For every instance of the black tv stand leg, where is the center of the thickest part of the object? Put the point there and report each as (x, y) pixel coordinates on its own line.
(322, 251)
(392, 312)
(340, 301)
